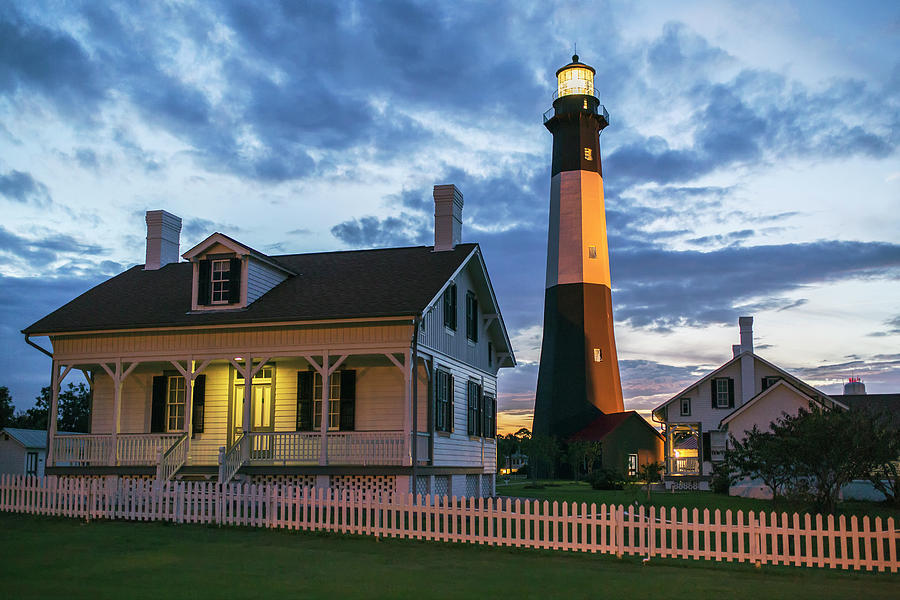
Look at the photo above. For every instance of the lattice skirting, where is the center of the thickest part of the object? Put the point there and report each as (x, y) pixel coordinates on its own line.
(472, 486)
(299, 480)
(441, 485)
(381, 484)
(423, 485)
(487, 485)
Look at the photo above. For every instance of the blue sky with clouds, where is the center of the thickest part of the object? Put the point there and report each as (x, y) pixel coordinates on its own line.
(751, 166)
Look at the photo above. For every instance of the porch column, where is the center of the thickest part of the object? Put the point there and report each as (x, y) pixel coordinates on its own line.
(406, 369)
(325, 370)
(55, 381)
(326, 393)
(118, 378)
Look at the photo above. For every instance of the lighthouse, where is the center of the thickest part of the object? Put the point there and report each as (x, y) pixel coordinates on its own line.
(578, 379)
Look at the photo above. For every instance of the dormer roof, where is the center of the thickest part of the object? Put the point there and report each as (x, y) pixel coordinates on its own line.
(234, 246)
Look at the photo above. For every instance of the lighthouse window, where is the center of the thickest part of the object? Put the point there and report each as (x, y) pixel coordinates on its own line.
(588, 154)
(592, 251)
(598, 354)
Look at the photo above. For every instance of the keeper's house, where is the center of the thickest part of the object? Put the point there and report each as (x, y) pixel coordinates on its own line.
(745, 391)
(169, 347)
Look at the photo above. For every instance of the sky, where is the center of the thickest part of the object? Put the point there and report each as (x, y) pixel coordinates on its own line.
(751, 166)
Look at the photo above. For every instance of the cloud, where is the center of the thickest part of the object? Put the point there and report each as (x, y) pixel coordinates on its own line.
(40, 253)
(663, 289)
(891, 327)
(22, 187)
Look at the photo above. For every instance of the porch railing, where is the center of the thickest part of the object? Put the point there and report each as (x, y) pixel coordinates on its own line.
(144, 448)
(232, 459)
(83, 450)
(93, 450)
(172, 459)
(284, 447)
(684, 466)
(366, 448)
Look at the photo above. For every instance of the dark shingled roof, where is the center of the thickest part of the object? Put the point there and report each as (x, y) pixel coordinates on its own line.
(328, 285)
(605, 424)
(889, 403)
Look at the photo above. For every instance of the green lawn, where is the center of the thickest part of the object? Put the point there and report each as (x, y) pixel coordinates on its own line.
(44, 557)
(572, 491)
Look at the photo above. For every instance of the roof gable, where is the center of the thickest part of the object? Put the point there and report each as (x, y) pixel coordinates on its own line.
(605, 424)
(226, 242)
(761, 397)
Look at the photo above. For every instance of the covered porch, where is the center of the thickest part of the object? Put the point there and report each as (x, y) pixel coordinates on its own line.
(275, 421)
(682, 449)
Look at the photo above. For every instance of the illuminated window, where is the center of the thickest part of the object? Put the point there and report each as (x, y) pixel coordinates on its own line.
(334, 402)
(221, 275)
(592, 251)
(588, 154)
(632, 465)
(175, 397)
(598, 354)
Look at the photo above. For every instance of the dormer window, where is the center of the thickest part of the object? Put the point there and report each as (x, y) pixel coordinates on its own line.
(221, 271)
(219, 281)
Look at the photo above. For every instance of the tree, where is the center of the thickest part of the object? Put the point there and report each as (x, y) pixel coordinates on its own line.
(650, 473)
(878, 437)
(582, 456)
(543, 452)
(7, 410)
(761, 455)
(73, 412)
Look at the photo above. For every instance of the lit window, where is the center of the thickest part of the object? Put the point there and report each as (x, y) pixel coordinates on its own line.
(221, 275)
(588, 154)
(334, 402)
(632, 465)
(175, 397)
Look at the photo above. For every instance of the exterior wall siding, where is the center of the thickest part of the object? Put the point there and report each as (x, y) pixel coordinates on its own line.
(458, 448)
(261, 278)
(454, 343)
(224, 342)
(12, 457)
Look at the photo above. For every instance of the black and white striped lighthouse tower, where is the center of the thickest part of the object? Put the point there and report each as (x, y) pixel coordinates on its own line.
(579, 372)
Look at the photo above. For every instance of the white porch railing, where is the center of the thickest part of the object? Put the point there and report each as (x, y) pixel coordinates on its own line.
(169, 461)
(284, 447)
(230, 461)
(684, 466)
(144, 448)
(366, 448)
(83, 450)
(94, 450)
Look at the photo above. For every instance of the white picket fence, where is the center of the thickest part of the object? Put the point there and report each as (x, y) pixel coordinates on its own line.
(761, 538)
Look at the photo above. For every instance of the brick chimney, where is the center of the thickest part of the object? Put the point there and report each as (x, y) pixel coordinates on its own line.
(448, 206)
(163, 239)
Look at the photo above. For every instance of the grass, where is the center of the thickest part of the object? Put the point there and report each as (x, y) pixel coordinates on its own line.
(45, 557)
(579, 491)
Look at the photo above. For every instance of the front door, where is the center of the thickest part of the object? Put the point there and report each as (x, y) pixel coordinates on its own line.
(262, 409)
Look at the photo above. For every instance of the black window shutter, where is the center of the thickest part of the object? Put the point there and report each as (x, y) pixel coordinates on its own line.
(234, 281)
(485, 414)
(474, 319)
(707, 448)
(199, 404)
(158, 405)
(348, 400)
(304, 400)
(764, 384)
(451, 415)
(473, 408)
(730, 392)
(713, 385)
(204, 281)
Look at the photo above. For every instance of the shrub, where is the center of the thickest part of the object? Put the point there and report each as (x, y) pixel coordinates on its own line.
(721, 479)
(606, 479)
